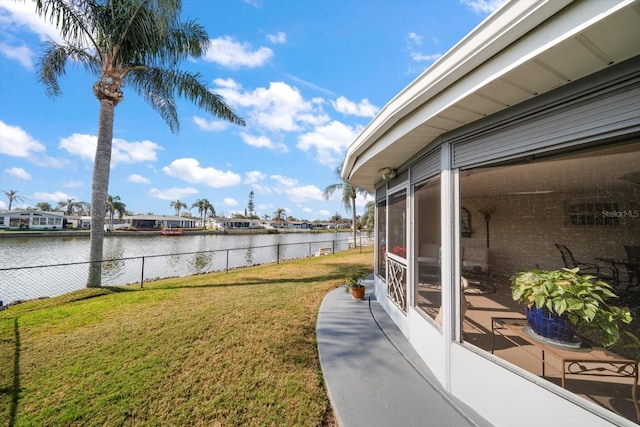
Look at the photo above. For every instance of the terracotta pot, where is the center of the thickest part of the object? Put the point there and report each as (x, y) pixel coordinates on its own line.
(358, 293)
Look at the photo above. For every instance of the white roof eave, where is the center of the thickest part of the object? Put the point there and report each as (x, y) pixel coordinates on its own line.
(489, 51)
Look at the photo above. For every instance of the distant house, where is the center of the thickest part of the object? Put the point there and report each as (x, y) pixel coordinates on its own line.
(236, 223)
(143, 222)
(34, 220)
(158, 221)
(300, 225)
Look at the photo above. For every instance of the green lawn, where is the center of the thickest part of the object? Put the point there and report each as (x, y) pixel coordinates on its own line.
(223, 349)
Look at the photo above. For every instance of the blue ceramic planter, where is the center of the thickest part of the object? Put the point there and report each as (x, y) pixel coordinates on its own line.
(549, 325)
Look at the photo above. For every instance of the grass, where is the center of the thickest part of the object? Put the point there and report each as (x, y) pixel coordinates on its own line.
(222, 349)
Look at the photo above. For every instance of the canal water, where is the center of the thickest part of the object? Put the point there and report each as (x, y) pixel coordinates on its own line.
(38, 266)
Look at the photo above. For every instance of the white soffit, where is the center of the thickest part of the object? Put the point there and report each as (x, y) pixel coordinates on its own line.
(523, 50)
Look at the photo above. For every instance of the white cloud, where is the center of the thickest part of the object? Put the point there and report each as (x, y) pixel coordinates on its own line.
(58, 196)
(138, 179)
(255, 3)
(22, 54)
(277, 38)
(172, 193)
(483, 6)
(262, 189)
(189, 170)
(84, 146)
(263, 142)
(134, 152)
(297, 193)
(363, 109)
(19, 173)
(285, 181)
(16, 142)
(329, 141)
(15, 15)
(253, 177)
(421, 57)
(72, 184)
(300, 81)
(230, 202)
(211, 125)
(415, 38)
(3, 205)
(304, 193)
(226, 51)
(279, 107)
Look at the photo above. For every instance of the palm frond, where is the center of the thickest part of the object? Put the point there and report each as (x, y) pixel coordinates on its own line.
(74, 19)
(159, 87)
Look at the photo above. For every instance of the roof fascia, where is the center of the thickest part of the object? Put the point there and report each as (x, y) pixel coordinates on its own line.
(502, 28)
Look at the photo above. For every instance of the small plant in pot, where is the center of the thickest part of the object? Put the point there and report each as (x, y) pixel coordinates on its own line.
(354, 285)
(559, 299)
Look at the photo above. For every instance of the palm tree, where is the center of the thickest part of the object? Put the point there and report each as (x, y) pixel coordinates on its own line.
(83, 208)
(203, 206)
(12, 195)
(177, 205)
(69, 205)
(44, 206)
(114, 204)
(349, 194)
(368, 218)
(126, 42)
(279, 215)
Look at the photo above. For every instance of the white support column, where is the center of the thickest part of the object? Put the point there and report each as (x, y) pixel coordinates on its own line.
(446, 233)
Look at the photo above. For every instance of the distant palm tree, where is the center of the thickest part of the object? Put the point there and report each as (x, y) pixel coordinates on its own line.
(12, 195)
(368, 217)
(349, 194)
(126, 42)
(279, 215)
(44, 206)
(114, 204)
(69, 206)
(83, 208)
(203, 206)
(177, 205)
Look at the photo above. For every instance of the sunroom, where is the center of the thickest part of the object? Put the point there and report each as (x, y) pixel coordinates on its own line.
(519, 149)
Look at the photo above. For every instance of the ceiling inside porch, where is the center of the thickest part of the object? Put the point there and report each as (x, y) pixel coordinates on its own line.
(605, 171)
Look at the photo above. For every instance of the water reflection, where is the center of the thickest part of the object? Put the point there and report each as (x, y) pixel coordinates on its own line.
(30, 266)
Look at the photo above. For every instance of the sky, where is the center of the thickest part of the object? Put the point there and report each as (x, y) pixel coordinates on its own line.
(306, 75)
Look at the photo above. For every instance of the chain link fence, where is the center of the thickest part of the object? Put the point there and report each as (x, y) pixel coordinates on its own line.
(26, 283)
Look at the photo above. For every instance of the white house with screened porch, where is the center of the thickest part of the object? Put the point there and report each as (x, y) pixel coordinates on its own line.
(518, 149)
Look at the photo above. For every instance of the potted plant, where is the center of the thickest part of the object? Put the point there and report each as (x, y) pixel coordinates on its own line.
(559, 301)
(354, 285)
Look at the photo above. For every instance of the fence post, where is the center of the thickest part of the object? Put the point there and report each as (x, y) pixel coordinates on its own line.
(309, 248)
(227, 267)
(142, 275)
(278, 254)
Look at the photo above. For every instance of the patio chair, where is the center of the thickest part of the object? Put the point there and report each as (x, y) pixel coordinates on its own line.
(633, 256)
(602, 273)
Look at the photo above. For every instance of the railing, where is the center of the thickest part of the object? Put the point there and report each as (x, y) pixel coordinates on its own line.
(25, 283)
(397, 282)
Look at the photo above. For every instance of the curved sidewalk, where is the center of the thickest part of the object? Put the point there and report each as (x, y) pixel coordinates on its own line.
(373, 375)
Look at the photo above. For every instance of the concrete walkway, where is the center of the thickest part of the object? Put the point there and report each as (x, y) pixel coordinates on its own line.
(373, 375)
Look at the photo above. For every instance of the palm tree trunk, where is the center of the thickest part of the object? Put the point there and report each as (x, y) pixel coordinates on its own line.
(99, 191)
